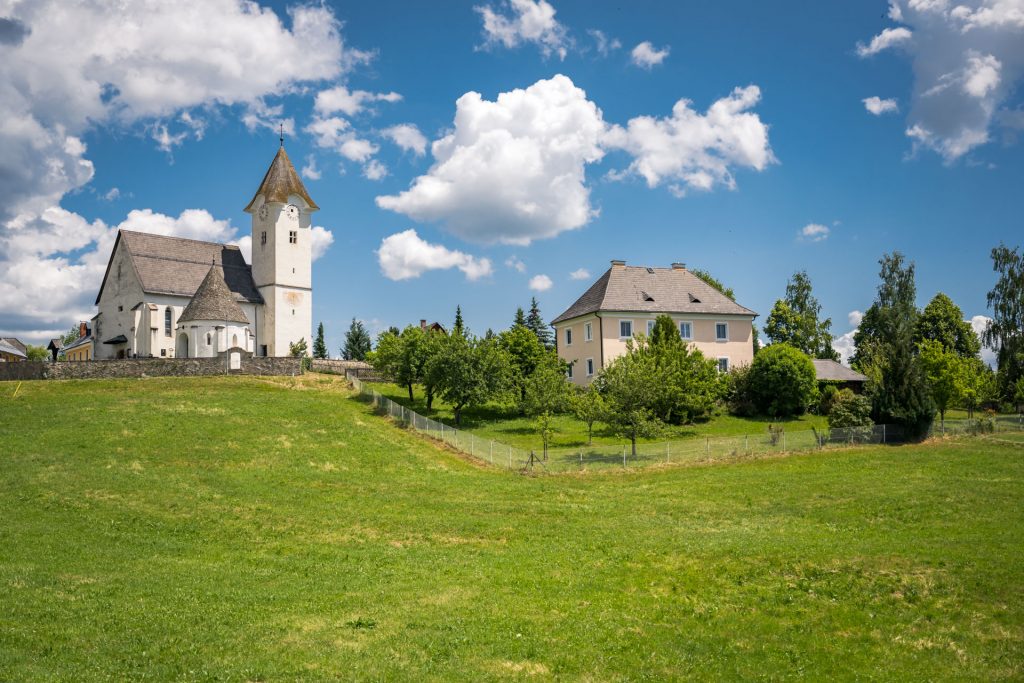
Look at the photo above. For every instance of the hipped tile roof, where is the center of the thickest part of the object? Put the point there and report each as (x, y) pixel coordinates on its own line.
(829, 370)
(652, 290)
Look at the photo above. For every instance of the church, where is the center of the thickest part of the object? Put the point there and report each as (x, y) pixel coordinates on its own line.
(169, 297)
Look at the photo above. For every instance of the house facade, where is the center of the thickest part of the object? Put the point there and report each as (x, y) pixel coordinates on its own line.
(151, 281)
(626, 300)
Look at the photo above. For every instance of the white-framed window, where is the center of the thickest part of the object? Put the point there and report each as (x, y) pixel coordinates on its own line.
(590, 367)
(721, 331)
(568, 336)
(625, 329)
(686, 329)
(723, 364)
(568, 371)
(588, 332)
(650, 327)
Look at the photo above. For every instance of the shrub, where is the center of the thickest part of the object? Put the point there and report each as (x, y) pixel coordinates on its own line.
(850, 410)
(738, 395)
(829, 394)
(782, 381)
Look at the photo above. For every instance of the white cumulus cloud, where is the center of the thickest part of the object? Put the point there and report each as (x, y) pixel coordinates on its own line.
(697, 151)
(514, 170)
(348, 102)
(540, 283)
(408, 137)
(968, 59)
(877, 106)
(145, 67)
(525, 21)
(814, 232)
(884, 40)
(646, 56)
(579, 274)
(406, 255)
(374, 170)
(515, 264)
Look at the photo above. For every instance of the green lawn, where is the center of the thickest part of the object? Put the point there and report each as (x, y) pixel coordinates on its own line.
(247, 529)
(501, 422)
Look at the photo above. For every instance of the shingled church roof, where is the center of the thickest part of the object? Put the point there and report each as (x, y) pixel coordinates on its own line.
(281, 181)
(177, 266)
(213, 301)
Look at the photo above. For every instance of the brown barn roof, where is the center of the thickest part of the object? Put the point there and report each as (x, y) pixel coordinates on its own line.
(829, 370)
(652, 290)
(281, 181)
(177, 266)
(213, 301)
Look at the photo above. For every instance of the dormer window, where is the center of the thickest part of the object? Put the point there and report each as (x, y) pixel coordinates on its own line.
(694, 300)
(646, 297)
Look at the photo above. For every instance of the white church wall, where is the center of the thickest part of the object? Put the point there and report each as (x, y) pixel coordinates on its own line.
(121, 292)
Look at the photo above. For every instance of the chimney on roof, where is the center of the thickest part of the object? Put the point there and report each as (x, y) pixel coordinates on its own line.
(83, 329)
(423, 324)
(616, 263)
(678, 266)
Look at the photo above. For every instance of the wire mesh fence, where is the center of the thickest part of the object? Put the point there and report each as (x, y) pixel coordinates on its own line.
(687, 451)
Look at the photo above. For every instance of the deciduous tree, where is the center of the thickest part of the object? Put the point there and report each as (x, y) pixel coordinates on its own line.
(588, 406)
(794, 320)
(469, 372)
(942, 369)
(782, 381)
(1005, 332)
(629, 388)
(547, 394)
(943, 321)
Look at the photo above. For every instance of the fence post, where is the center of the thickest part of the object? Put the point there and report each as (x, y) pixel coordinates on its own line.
(707, 446)
(581, 457)
(883, 434)
(746, 443)
(783, 439)
(666, 452)
(510, 457)
(490, 456)
(623, 455)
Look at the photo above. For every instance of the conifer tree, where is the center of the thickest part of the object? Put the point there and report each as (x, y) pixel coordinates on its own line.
(357, 342)
(319, 346)
(535, 323)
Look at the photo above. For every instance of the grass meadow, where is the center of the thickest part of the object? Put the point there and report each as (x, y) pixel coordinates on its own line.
(262, 529)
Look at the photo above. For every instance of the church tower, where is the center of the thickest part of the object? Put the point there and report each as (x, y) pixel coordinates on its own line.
(282, 258)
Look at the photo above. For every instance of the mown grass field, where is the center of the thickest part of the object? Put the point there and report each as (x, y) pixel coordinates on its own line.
(250, 529)
(502, 423)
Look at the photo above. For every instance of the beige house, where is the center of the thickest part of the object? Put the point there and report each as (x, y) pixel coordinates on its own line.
(626, 300)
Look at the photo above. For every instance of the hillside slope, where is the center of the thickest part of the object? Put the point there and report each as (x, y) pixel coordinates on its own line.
(265, 529)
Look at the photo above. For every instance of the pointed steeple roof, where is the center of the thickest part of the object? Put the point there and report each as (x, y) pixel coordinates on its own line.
(280, 181)
(214, 301)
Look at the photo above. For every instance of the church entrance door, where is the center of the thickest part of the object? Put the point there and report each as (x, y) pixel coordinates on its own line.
(181, 348)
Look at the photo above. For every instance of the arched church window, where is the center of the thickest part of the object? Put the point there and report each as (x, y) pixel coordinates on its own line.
(209, 338)
(234, 340)
(167, 321)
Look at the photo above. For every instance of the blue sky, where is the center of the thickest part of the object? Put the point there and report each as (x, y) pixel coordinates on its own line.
(934, 174)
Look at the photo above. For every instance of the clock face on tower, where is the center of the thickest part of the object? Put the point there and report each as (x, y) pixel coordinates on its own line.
(292, 212)
(263, 212)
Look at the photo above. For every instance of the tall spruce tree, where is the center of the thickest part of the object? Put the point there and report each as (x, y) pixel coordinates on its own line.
(794, 320)
(899, 395)
(536, 324)
(459, 327)
(357, 342)
(319, 346)
(520, 319)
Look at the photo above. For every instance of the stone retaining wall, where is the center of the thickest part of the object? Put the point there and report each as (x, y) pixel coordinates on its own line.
(147, 367)
(339, 367)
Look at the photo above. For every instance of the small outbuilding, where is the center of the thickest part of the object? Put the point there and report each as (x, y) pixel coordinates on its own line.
(835, 373)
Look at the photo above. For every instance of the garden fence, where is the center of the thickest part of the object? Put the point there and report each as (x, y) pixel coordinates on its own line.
(695, 450)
